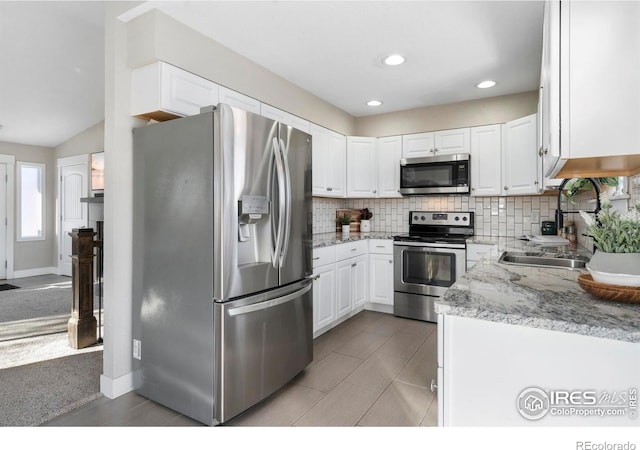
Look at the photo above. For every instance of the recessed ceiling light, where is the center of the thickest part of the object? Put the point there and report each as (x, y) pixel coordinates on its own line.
(394, 60)
(374, 103)
(486, 84)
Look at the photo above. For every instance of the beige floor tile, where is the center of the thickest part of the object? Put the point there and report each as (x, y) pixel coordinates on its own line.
(431, 417)
(377, 371)
(402, 344)
(146, 414)
(342, 407)
(281, 409)
(326, 343)
(358, 323)
(423, 365)
(362, 345)
(328, 373)
(400, 405)
(416, 326)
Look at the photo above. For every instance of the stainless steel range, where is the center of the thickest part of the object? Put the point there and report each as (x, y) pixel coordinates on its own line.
(428, 260)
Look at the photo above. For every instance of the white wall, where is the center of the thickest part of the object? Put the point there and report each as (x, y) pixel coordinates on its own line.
(90, 140)
(31, 255)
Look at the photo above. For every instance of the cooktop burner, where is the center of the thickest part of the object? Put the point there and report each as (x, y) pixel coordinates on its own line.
(438, 227)
(431, 239)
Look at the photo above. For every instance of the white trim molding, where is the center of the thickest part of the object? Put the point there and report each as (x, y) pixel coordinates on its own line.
(35, 272)
(10, 161)
(115, 387)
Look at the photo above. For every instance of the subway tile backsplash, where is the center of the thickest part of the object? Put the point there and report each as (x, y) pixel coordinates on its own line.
(494, 216)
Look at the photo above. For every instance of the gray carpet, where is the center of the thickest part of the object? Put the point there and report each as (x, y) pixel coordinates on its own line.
(35, 393)
(36, 301)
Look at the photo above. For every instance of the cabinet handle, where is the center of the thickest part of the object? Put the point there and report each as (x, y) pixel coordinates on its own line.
(546, 150)
(540, 152)
(506, 188)
(391, 261)
(329, 189)
(434, 386)
(435, 150)
(374, 191)
(316, 277)
(316, 258)
(535, 182)
(432, 151)
(473, 189)
(354, 249)
(354, 264)
(379, 246)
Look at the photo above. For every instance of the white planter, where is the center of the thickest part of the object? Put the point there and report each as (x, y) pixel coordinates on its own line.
(345, 229)
(622, 269)
(365, 225)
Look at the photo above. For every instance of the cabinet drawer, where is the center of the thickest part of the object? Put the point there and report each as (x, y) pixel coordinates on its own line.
(382, 246)
(476, 252)
(324, 255)
(351, 249)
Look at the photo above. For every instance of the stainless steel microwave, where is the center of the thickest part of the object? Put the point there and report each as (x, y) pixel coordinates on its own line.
(445, 174)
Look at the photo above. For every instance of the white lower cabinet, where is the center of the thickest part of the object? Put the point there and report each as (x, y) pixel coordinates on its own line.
(352, 276)
(324, 296)
(493, 374)
(381, 272)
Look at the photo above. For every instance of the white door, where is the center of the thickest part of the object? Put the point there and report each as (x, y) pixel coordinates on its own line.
(418, 145)
(451, 142)
(520, 174)
(344, 287)
(389, 155)
(381, 267)
(486, 160)
(324, 297)
(362, 165)
(73, 213)
(360, 280)
(3, 221)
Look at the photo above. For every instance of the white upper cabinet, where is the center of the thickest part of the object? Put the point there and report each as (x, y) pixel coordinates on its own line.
(284, 117)
(233, 98)
(486, 160)
(450, 142)
(161, 91)
(418, 145)
(520, 170)
(362, 167)
(445, 142)
(389, 155)
(329, 158)
(549, 95)
(600, 73)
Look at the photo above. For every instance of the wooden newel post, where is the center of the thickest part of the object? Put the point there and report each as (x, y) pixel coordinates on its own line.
(82, 325)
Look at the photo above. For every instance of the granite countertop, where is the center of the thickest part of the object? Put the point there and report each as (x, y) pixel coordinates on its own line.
(325, 239)
(547, 298)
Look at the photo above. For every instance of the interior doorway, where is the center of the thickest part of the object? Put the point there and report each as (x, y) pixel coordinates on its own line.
(73, 177)
(7, 172)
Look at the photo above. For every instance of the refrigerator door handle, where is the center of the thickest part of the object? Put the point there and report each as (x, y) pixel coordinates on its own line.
(269, 303)
(287, 229)
(275, 257)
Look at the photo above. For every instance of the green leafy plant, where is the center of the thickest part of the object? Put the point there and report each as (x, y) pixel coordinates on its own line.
(614, 232)
(576, 185)
(344, 220)
(365, 214)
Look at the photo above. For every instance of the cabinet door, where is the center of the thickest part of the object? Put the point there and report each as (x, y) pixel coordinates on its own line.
(362, 165)
(324, 297)
(238, 100)
(329, 162)
(381, 279)
(389, 154)
(520, 170)
(486, 160)
(161, 91)
(418, 145)
(360, 267)
(336, 165)
(344, 288)
(450, 142)
(284, 117)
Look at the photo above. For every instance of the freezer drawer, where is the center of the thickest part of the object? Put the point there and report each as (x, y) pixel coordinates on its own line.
(263, 342)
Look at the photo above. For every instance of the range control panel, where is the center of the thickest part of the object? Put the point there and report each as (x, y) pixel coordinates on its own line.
(441, 218)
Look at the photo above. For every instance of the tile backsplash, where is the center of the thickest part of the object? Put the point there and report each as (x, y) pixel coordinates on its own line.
(494, 216)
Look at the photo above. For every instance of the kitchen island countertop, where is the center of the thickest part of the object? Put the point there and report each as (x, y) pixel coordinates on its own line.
(546, 298)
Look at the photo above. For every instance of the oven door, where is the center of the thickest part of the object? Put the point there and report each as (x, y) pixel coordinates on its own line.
(427, 269)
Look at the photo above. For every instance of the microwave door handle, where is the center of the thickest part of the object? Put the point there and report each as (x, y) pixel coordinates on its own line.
(287, 185)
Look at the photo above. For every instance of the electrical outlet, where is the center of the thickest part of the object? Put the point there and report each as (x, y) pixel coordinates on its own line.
(137, 349)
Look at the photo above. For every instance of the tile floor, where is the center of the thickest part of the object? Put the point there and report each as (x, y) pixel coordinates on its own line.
(372, 370)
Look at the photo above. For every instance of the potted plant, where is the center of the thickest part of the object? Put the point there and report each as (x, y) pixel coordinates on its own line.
(345, 221)
(365, 220)
(616, 237)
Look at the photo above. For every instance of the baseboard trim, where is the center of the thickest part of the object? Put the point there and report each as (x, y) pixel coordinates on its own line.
(115, 387)
(35, 272)
(379, 307)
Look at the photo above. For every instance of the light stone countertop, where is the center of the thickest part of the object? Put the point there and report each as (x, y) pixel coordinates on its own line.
(536, 297)
(325, 239)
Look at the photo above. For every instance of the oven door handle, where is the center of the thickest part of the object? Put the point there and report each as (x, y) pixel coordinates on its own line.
(430, 245)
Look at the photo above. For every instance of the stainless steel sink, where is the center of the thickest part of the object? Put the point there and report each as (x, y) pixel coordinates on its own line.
(560, 260)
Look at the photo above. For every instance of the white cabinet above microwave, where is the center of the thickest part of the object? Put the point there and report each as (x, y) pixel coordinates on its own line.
(436, 143)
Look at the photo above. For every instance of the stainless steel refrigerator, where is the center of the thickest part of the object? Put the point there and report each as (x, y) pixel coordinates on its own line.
(222, 261)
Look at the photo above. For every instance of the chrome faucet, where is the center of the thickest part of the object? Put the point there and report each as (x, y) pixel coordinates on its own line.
(560, 213)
